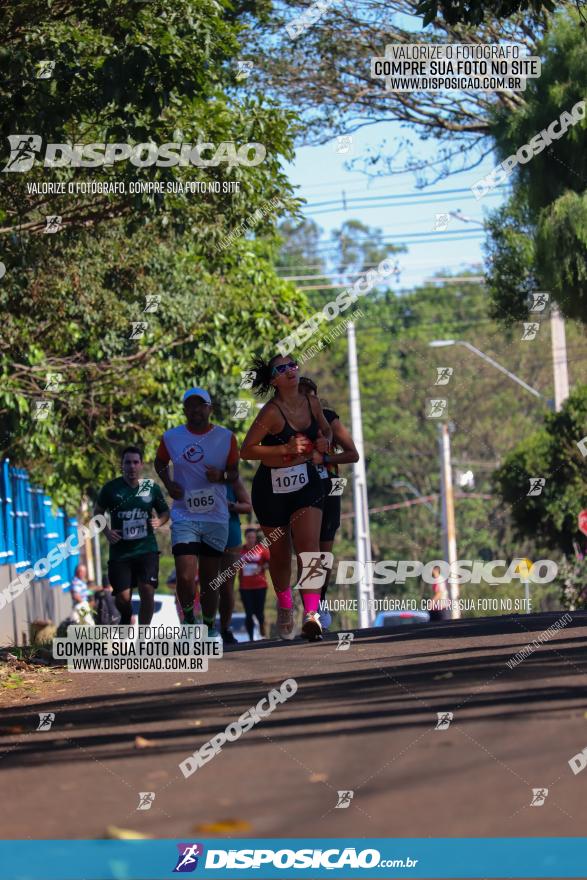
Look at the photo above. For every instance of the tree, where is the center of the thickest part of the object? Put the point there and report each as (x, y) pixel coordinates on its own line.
(340, 97)
(476, 11)
(538, 240)
(131, 73)
(149, 73)
(360, 247)
(552, 454)
(397, 371)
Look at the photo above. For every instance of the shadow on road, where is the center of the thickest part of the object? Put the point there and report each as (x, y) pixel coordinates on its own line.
(388, 695)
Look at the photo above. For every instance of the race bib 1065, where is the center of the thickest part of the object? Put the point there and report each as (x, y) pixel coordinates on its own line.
(200, 500)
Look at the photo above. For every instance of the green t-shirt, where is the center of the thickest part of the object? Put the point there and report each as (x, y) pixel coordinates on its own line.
(130, 510)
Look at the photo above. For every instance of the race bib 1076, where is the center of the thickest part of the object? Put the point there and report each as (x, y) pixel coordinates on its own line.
(289, 479)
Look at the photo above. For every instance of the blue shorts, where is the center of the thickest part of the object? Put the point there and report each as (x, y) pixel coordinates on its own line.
(235, 538)
(198, 537)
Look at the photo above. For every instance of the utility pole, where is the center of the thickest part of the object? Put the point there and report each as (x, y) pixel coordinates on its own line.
(97, 559)
(365, 594)
(449, 537)
(559, 357)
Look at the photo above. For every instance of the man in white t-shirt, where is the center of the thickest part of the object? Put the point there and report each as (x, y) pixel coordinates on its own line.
(204, 458)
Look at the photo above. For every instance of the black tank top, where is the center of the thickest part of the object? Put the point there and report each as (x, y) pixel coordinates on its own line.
(287, 432)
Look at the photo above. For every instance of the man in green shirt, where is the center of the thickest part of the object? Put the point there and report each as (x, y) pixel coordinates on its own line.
(136, 507)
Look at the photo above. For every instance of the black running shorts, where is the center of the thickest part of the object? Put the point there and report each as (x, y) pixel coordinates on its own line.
(126, 574)
(274, 508)
(330, 516)
(195, 548)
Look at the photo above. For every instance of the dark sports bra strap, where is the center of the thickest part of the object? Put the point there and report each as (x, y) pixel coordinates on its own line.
(274, 402)
(312, 416)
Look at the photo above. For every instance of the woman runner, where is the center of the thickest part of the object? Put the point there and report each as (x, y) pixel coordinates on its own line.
(288, 437)
(252, 581)
(343, 451)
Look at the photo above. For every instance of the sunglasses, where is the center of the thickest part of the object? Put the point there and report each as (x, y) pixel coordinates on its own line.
(282, 368)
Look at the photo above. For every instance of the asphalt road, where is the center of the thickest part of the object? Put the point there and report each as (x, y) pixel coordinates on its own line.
(362, 720)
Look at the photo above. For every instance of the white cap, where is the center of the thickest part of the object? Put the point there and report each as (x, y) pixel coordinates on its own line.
(198, 392)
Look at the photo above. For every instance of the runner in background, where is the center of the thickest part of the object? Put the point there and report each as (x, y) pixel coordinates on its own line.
(204, 458)
(239, 501)
(79, 583)
(342, 451)
(252, 581)
(105, 611)
(440, 596)
(288, 437)
(136, 507)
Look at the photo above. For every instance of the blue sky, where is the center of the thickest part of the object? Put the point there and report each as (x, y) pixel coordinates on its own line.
(320, 175)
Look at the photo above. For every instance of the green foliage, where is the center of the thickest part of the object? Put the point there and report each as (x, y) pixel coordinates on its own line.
(538, 239)
(473, 12)
(572, 578)
(552, 453)
(117, 389)
(561, 252)
(397, 372)
(131, 73)
(510, 252)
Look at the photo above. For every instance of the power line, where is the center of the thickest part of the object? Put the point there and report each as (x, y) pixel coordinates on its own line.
(394, 197)
(365, 207)
(474, 279)
(424, 500)
(462, 235)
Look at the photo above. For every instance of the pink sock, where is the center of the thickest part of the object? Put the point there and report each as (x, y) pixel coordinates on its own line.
(284, 598)
(311, 601)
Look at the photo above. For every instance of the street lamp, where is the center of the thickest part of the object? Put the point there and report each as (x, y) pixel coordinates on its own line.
(445, 467)
(442, 343)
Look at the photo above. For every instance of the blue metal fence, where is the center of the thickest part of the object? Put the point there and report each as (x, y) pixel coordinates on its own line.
(30, 526)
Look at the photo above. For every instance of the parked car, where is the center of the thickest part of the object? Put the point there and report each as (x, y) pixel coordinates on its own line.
(400, 618)
(165, 611)
(166, 614)
(239, 629)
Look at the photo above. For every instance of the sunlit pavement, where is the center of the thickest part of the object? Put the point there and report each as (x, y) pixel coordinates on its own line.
(364, 721)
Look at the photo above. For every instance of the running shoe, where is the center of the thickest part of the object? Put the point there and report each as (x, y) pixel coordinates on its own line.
(311, 627)
(228, 637)
(214, 634)
(285, 622)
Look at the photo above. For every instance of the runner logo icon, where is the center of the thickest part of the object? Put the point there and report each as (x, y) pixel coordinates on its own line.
(539, 795)
(187, 861)
(444, 719)
(315, 567)
(344, 799)
(46, 719)
(23, 151)
(344, 641)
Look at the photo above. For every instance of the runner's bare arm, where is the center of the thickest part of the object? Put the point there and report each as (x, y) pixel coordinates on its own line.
(343, 438)
(269, 421)
(322, 422)
(230, 472)
(161, 465)
(159, 519)
(243, 499)
(111, 535)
